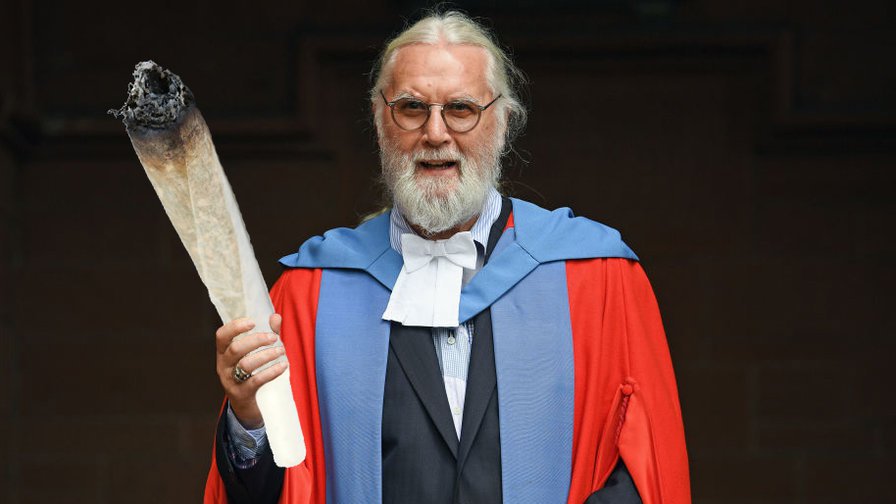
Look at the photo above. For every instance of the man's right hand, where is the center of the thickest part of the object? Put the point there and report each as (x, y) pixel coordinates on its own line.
(232, 353)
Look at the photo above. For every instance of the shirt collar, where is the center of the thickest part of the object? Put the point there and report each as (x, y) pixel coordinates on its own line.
(491, 209)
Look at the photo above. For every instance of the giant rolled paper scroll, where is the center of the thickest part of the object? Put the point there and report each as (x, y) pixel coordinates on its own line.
(175, 148)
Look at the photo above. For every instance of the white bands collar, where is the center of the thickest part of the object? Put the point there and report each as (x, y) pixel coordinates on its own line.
(427, 292)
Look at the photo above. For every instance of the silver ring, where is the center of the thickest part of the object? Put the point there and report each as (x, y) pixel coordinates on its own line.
(240, 374)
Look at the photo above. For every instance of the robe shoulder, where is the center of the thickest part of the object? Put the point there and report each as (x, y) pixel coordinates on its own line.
(343, 247)
(557, 235)
(546, 235)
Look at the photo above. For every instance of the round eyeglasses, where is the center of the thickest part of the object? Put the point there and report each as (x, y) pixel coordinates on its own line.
(460, 116)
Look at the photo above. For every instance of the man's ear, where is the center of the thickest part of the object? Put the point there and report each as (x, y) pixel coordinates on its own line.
(377, 123)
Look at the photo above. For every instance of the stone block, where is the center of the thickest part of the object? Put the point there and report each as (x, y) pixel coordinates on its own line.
(109, 377)
(114, 437)
(850, 438)
(82, 185)
(716, 407)
(8, 170)
(92, 239)
(742, 478)
(153, 480)
(60, 479)
(137, 306)
(8, 366)
(837, 479)
(811, 393)
(196, 433)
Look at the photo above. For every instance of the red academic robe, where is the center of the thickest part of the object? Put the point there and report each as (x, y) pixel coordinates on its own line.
(625, 401)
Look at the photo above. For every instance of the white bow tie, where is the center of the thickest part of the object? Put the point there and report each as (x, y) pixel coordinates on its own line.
(427, 291)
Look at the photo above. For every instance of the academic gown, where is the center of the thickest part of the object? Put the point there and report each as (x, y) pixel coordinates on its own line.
(584, 377)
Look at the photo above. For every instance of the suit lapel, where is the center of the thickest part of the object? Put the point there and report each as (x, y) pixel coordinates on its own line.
(414, 350)
(480, 385)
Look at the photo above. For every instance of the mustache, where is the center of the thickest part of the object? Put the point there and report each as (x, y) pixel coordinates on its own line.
(449, 154)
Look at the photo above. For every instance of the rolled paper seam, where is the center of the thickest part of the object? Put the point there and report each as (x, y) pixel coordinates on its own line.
(174, 146)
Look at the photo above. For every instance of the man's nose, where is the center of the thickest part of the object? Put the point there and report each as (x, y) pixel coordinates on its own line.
(435, 131)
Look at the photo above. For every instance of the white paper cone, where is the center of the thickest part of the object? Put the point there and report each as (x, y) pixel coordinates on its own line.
(180, 160)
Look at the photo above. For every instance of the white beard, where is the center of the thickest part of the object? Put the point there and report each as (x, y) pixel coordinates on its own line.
(436, 204)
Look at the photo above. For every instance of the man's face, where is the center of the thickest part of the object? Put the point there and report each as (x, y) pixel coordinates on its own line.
(439, 178)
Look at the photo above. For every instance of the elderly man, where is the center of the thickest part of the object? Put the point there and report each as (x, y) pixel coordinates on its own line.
(463, 347)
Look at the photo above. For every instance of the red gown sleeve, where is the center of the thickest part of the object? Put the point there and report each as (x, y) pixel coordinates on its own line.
(626, 399)
(294, 296)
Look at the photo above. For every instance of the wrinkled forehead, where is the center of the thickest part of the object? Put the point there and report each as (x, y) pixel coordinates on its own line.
(440, 71)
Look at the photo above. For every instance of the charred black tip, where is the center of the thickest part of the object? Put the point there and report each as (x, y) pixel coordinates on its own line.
(157, 98)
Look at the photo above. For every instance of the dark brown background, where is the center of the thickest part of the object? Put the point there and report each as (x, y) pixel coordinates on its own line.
(745, 149)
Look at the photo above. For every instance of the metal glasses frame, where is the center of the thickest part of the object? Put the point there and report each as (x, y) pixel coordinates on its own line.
(429, 106)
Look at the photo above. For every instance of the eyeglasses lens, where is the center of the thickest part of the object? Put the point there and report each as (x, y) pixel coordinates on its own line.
(459, 116)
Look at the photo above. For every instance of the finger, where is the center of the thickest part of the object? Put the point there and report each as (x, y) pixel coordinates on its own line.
(225, 334)
(264, 376)
(276, 321)
(243, 346)
(239, 375)
(255, 360)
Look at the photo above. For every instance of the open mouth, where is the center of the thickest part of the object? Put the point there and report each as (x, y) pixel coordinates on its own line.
(437, 165)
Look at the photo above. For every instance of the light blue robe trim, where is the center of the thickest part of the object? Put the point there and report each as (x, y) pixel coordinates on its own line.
(365, 247)
(536, 387)
(511, 264)
(558, 235)
(351, 349)
(541, 236)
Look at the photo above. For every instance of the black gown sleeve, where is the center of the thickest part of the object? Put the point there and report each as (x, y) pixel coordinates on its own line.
(262, 483)
(619, 489)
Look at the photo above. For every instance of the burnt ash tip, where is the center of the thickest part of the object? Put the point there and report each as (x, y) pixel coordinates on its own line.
(157, 98)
